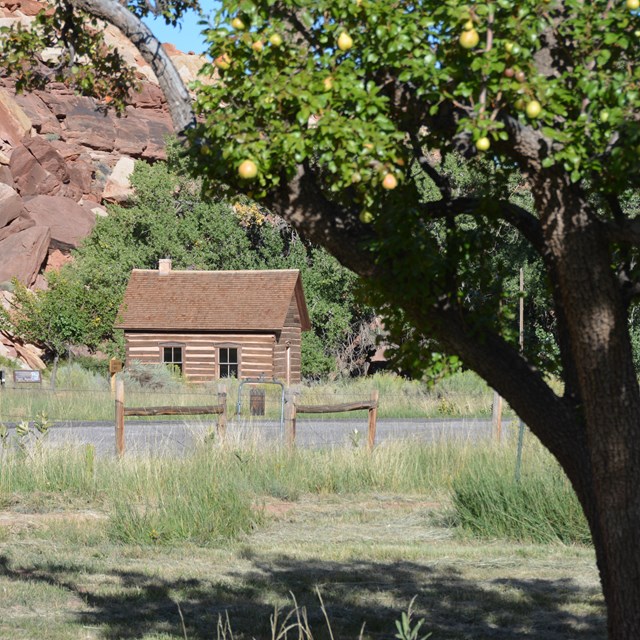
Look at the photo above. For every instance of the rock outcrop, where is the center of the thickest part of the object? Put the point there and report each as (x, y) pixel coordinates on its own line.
(24, 254)
(63, 155)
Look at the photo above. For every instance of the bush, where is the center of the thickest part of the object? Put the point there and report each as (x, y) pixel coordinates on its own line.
(155, 377)
(76, 376)
(98, 366)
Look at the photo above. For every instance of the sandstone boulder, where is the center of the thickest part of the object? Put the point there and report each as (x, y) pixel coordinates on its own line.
(14, 123)
(23, 254)
(7, 350)
(32, 360)
(68, 221)
(61, 153)
(149, 97)
(56, 260)
(37, 168)
(5, 175)
(16, 226)
(89, 126)
(81, 175)
(159, 129)
(118, 188)
(26, 7)
(94, 208)
(142, 133)
(42, 119)
(10, 205)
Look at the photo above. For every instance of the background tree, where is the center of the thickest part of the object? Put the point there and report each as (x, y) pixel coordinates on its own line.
(326, 110)
(168, 217)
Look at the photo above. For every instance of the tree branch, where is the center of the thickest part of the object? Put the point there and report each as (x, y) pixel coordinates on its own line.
(301, 201)
(623, 231)
(441, 181)
(555, 421)
(527, 224)
(293, 21)
(519, 218)
(178, 98)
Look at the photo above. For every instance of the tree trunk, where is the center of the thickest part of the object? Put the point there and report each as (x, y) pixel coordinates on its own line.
(601, 349)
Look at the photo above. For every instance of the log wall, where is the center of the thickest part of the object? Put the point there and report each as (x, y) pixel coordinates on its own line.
(291, 336)
(200, 352)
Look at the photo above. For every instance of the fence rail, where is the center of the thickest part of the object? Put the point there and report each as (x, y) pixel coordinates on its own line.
(172, 411)
(292, 410)
(219, 409)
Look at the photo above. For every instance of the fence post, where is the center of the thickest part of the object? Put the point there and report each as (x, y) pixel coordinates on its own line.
(373, 419)
(222, 417)
(115, 366)
(496, 417)
(290, 419)
(119, 417)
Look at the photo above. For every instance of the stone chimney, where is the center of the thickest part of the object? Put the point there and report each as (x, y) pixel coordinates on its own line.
(164, 266)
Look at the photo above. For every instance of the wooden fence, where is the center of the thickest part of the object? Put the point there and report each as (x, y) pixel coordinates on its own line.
(219, 409)
(292, 410)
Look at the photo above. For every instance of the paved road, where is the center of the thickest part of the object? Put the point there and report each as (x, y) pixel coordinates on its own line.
(177, 436)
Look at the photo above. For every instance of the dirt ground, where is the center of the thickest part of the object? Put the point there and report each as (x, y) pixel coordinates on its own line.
(367, 557)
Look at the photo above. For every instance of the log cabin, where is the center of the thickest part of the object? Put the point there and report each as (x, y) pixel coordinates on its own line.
(216, 324)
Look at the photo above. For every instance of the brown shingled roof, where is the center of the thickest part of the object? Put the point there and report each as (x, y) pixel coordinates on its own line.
(211, 300)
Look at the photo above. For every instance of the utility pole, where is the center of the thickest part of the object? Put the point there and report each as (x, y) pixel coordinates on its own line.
(521, 342)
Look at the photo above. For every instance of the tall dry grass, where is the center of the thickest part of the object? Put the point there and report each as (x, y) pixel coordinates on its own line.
(214, 493)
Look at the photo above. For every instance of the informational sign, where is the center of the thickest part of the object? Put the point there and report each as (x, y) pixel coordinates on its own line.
(27, 375)
(115, 365)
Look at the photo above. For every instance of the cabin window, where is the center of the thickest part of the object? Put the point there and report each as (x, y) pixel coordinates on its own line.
(228, 362)
(172, 356)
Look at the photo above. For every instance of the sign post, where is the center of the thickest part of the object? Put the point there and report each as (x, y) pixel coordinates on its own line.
(115, 366)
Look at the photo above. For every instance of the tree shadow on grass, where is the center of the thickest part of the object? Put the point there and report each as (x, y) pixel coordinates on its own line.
(135, 604)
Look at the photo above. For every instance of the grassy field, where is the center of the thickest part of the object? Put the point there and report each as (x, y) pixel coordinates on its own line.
(97, 548)
(82, 395)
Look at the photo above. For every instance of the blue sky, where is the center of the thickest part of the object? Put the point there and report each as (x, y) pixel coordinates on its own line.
(187, 36)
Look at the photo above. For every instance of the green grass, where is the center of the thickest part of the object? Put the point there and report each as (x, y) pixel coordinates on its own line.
(62, 578)
(541, 507)
(81, 394)
(203, 500)
(111, 547)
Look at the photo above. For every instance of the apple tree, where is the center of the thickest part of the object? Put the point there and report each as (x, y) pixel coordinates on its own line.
(340, 104)
(337, 113)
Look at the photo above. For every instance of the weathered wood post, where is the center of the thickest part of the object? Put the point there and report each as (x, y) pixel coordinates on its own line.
(222, 417)
(290, 419)
(373, 419)
(496, 417)
(115, 366)
(119, 417)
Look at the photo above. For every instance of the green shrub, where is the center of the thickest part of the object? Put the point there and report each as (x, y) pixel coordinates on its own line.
(98, 366)
(154, 377)
(76, 376)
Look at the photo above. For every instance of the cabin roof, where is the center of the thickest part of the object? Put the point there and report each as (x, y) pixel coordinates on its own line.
(211, 300)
